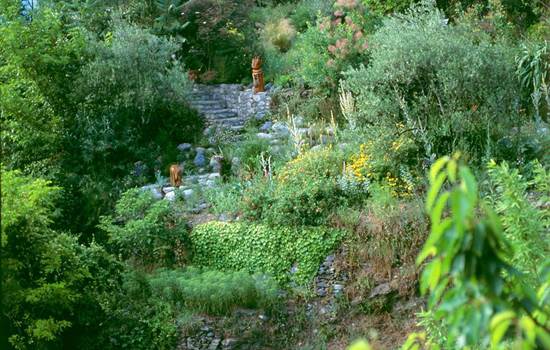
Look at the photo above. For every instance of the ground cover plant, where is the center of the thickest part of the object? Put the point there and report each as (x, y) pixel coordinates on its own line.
(286, 253)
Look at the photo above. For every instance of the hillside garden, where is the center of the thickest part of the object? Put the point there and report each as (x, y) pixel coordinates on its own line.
(389, 189)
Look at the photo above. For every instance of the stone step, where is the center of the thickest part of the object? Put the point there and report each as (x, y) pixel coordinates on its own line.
(208, 103)
(220, 115)
(220, 111)
(233, 121)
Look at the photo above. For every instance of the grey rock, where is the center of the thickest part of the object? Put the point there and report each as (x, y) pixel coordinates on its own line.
(187, 193)
(200, 158)
(264, 136)
(268, 86)
(168, 189)
(299, 121)
(170, 196)
(213, 176)
(382, 289)
(185, 147)
(280, 128)
(263, 317)
(338, 288)
(154, 189)
(229, 343)
(316, 148)
(214, 344)
(266, 126)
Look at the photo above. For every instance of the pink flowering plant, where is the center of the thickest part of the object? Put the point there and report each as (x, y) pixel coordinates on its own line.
(333, 45)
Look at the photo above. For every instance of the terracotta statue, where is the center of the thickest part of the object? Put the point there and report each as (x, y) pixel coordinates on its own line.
(257, 75)
(175, 175)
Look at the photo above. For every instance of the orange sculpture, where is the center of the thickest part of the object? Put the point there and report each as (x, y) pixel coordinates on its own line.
(175, 175)
(257, 75)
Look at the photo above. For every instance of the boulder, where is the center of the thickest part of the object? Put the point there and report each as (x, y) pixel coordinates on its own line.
(280, 128)
(216, 163)
(185, 147)
(266, 126)
(200, 158)
(264, 136)
(170, 196)
(154, 189)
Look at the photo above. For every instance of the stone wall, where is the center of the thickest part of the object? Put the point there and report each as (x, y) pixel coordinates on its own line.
(229, 105)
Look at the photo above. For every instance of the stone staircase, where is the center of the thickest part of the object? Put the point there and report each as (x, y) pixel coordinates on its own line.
(229, 105)
(216, 104)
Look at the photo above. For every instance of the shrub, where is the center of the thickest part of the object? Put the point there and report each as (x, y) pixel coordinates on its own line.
(388, 158)
(303, 192)
(525, 223)
(257, 248)
(468, 279)
(249, 152)
(449, 88)
(213, 292)
(51, 285)
(134, 98)
(279, 33)
(217, 39)
(387, 234)
(132, 107)
(39, 60)
(327, 48)
(224, 198)
(146, 231)
(138, 318)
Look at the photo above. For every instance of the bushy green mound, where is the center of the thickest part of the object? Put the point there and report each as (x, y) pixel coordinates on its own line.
(214, 292)
(260, 248)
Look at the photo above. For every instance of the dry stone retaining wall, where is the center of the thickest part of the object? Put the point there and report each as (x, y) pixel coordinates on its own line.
(229, 105)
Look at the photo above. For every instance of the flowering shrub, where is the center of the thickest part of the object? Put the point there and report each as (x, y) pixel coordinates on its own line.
(332, 45)
(384, 160)
(304, 191)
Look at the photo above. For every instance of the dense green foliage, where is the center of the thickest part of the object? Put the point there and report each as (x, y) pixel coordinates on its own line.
(145, 230)
(452, 88)
(51, 285)
(260, 248)
(523, 217)
(305, 191)
(473, 290)
(214, 292)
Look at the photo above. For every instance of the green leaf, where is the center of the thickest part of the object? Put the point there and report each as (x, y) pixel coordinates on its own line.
(434, 190)
(499, 325)
(436, 167)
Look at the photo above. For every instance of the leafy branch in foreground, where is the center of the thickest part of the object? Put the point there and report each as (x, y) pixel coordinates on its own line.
(473, 292)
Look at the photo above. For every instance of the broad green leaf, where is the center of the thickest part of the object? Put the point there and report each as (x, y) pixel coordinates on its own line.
(436, 167)
(434, 190)
(499, 325)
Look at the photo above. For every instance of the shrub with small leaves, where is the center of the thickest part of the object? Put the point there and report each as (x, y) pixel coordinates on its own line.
(146, 231)
(257, 248)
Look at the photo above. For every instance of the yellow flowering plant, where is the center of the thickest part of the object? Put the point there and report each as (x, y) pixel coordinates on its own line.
(386, 160)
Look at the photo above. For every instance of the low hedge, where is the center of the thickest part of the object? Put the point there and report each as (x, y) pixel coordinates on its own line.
(260, 248)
